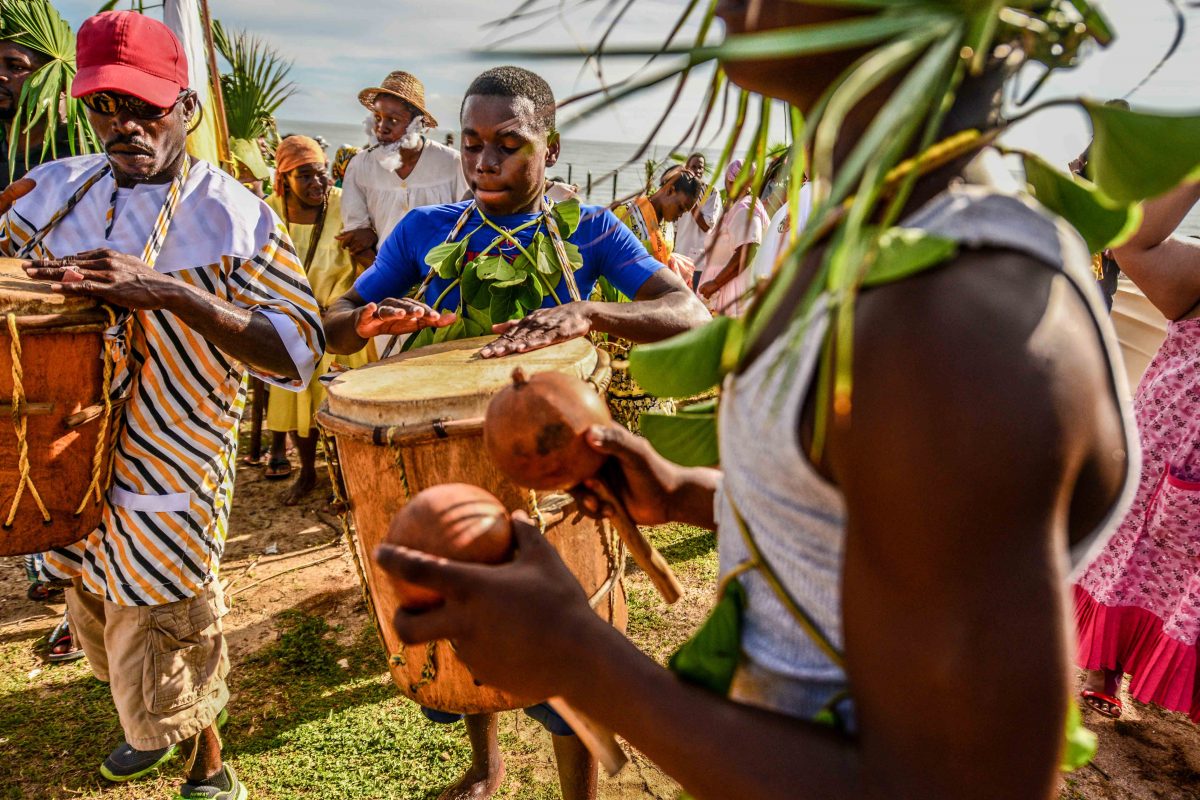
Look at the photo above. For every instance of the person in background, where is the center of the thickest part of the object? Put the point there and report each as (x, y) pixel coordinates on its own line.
(1106, 267)
(1137, 607)
(692, 230)
(405, 170)
(779, 233)
(341, 160)
(651, 217)
(725, 282)
(310, 208)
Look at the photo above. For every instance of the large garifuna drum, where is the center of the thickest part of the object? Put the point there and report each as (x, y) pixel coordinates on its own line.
(416, 420)
(57, 431)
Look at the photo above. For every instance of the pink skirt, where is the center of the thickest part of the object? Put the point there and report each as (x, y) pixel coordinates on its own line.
(1137, 606)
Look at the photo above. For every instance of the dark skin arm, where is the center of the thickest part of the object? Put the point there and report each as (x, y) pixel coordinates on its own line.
(739, 261)
(1165, 267)
(664, 307)
(953, 586)
(128, 282)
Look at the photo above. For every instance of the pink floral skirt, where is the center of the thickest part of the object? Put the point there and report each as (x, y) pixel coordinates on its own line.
(1137, 606)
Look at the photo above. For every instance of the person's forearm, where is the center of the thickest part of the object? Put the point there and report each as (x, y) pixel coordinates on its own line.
(644, 321)
(691, 498)
(1161, 217)
(715, 748)
(340, 322)
(737, 263)
(239, 332)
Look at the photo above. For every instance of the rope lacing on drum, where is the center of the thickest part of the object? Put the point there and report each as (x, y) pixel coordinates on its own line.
(20, 424)
(98, 470)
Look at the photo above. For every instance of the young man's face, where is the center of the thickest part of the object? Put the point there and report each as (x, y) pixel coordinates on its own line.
(505, 153)
(676, 204)
(17, 63)
(696, 165)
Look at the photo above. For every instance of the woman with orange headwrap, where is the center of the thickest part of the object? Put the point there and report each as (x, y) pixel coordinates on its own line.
(310, 207)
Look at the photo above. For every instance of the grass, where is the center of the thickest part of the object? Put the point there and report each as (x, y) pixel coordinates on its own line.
(314, 713)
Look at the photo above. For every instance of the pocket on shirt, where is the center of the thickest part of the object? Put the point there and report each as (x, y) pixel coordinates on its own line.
(162, 520)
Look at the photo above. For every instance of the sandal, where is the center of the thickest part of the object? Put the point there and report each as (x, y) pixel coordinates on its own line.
(277, 469)
(1103, 704)
(40, 592)
(63, 647)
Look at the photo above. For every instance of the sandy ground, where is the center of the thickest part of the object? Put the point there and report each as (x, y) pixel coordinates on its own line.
(282, 558)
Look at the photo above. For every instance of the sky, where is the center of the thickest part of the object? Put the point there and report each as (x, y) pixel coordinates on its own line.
(340, 48)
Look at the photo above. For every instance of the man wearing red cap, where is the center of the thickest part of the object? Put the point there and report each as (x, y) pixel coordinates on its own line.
(207, 286)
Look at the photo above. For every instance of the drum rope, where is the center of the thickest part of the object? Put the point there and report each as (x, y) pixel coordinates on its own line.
(98, 469)
(20, 424)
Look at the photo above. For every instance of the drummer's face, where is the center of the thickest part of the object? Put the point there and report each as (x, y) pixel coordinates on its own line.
(144, 150)
(505, 153)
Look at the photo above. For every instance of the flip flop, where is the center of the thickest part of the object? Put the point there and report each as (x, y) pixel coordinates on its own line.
(64, 649)
(1103, 704)
(277, 469)
(250, 461)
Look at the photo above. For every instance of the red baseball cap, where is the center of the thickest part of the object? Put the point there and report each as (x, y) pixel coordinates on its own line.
(130, 53)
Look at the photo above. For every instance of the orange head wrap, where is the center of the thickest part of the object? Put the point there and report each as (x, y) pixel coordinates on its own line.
(294, 152)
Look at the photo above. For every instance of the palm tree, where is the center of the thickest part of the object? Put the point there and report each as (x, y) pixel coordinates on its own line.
(46, 98)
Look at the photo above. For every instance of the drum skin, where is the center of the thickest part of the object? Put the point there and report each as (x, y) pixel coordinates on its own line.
(380, 477)
(63, 364)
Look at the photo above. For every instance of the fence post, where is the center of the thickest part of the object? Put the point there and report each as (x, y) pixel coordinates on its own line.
(614, 198)
(588, 195)
(569, 175)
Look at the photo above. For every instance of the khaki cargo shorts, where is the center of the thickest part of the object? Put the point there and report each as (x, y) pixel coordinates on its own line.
(166, 665)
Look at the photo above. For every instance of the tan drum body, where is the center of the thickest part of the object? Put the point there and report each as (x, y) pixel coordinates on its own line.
(1141, 330)
(414, 421)
(62, 365)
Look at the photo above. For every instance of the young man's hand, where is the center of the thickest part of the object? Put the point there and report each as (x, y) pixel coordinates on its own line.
(542, 328)
(639, 477)
(396, 317)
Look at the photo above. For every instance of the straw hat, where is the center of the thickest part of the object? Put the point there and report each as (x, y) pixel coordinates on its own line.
(403, 85)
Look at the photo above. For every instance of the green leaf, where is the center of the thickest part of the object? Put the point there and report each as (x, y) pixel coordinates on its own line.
(488, 268)
(531, 294)
(710, 658)
(566, 214)
(453, 331)
(547, 264)
(907, 251)
(690, 363)
(1137, 156)
(502, 306)
(474, 291)
(472, 328)
(1081, 743)
(688, 438)
(445, 259)
(1100, 221)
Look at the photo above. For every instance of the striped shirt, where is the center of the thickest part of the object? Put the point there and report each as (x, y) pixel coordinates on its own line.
(166, 515)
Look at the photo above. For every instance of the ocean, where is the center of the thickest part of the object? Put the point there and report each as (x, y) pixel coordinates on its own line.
(582, 162)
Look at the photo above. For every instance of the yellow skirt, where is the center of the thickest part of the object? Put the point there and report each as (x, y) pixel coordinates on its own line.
(296, 411)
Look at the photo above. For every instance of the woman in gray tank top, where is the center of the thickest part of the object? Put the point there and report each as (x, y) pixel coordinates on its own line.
(910, 582)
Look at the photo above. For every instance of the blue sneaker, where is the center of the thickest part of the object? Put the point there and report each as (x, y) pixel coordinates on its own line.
(127, 764)
(225, 786)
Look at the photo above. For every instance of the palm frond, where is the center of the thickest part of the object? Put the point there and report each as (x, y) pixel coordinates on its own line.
(46, 98)
(256, 85)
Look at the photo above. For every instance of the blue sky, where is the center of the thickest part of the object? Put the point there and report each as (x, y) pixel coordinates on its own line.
(339, 48)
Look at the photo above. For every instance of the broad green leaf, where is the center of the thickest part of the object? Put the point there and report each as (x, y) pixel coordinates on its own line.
(1096, 23)
(531, 295)
(690, 363)
(710, 658)
(907, 251)
(472, 328)
(1081, 743)
(688, 439)
(1137, 156)
(474, 291)
(489, 268)
(446, 258)
(546, 262)
(1100, 221)
(566, 214)
(505, 271)
(453, 331)
(502, 306)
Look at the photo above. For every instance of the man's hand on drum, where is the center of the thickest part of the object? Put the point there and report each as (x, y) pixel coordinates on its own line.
(519, 626)
(398, 316)
(542, 328)
(653, 489)
(116, 278)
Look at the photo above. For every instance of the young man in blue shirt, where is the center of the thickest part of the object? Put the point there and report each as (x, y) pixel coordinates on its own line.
(508, 141)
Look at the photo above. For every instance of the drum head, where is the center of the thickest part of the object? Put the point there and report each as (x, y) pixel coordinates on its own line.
(23, 296)
(444, 381)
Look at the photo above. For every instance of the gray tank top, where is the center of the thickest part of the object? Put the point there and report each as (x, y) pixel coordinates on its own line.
(796, 516)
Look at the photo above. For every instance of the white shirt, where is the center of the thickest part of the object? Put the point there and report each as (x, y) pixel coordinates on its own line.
(374, 196)
(775, 240)
(689, 236)
(742, 224)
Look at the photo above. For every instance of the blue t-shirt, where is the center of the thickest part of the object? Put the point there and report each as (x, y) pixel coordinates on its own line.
(608, 248)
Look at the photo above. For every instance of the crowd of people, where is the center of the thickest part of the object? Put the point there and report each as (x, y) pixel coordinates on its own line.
(893, 586)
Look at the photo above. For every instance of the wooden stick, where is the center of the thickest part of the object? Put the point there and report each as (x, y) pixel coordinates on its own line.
(644, 554)
(599, 741)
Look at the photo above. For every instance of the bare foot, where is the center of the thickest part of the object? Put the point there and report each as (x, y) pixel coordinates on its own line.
(305, 482)
(477, 784)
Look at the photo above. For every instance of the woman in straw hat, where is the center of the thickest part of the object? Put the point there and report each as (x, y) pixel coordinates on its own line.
(404, 171)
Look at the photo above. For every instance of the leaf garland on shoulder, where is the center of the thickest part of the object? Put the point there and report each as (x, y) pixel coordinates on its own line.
(492, 289)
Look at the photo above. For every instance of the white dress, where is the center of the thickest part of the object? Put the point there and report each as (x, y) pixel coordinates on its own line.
(374, 196)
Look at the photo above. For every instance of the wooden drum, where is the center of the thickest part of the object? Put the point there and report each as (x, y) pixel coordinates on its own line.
(54, 450)
(416, 420)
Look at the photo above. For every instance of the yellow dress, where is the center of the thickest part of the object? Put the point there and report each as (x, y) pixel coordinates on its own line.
(331, 275)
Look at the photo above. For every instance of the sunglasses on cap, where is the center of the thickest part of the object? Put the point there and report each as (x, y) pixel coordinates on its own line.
(109, 103)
